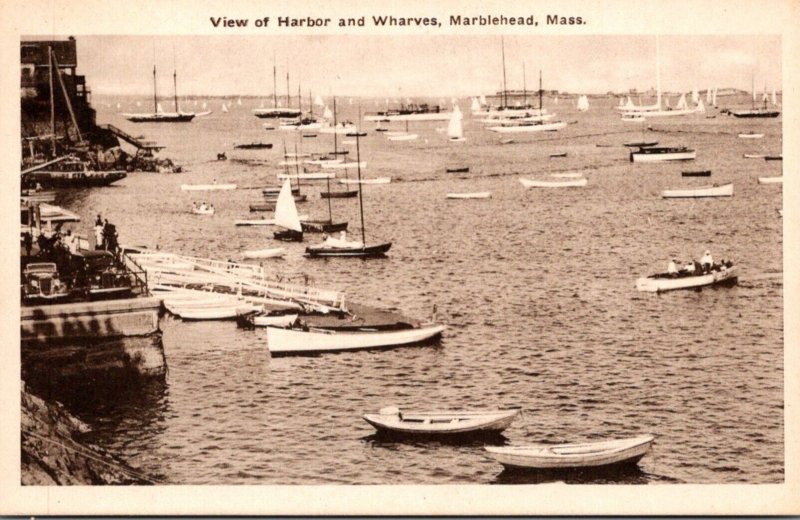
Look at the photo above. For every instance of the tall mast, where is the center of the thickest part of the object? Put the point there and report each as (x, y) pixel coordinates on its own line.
(503, 51)
(175, 85)
(335, 142)
(540, 91)
(753, 88)
(286, 163)
(310, 103)
(288, 97)
(360, 187)
(155, 97)
(299, 99)
(524, 87)
(274, 83)
(52, 100)
(658, 72)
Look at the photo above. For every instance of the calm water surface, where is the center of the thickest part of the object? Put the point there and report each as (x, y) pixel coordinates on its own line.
(536, 286)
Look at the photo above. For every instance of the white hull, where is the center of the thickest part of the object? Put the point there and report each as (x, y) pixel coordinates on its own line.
(222, 313)
(433, 116)
(726, 190)
(265, 253)
(661, 157)
(343, 165)
(751, 136)
(442, 423)
(203, 211)
(770, 180)
(300, 128)
(306, 176)
(564, 456)
(661, 113)
(475, 195)
(377, 180)
(275, 321)
(323, 162)
(754, 155)
(528, 183)
(543, 127)
(207, 187)
(685, 282)
(289, 341)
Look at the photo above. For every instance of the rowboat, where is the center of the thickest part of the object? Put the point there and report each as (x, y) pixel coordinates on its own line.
(266, 320)
(773, 157)
(338, 194)
(270, 206)
(203, 211)
(571, 456)
(639, 144)
(663, 153)
(666, 282)
(725, 190)
(529, 183)
(253, 146)
(215, 313)
(751, 135)
(207, 187)
(377, 180)
(315, 176)
(473, 195)
(755, 156)
(558, 154)
(403, 137)
(697, 173)
(459, 169)
(265, 253)
(391, 421)
(293, 341)
(770, 180)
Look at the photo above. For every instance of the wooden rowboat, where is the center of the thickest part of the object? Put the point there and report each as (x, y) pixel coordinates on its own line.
(529, 183)
(725, 190)
(298, 342)
(462, 169)
(770, 180)
(474, 195)
(697, 173)
(265, 253)
(391, 421)
(751, 135)
(571, 456)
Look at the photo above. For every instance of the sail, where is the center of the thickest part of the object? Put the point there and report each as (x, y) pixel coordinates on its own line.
(700, 106)
(708, 96)
(555, 101)
(583, 103)
(483, 99)
(239, 101)
(138, 103)
(774, 98)
(224, 107)
(682, 105)
(476, 106)
(714, 97)
(120, 106)
(285, 210)
(454, 129)
(629, 104)
(204, 105)
(621, 102)
(695, 96)
(158, 108)
(318, 101)
(327, 114)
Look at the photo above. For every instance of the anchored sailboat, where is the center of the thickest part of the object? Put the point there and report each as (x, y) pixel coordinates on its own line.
(159, 116)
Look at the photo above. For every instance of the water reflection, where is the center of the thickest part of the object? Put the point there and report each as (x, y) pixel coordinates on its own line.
(623, 474)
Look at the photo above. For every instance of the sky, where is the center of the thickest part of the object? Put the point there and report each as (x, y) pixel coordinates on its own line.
(425, 65)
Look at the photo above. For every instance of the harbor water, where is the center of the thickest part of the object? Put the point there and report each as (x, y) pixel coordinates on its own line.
(536, 287)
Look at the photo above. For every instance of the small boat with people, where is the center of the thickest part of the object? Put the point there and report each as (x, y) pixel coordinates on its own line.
(573, 456)
(692, 276)
(391, 421)
(531, 183)
(316, 341)
(663, 153)
(724, 190)
(202, 208)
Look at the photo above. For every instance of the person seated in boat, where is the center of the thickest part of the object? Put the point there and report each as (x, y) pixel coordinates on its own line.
(689, 268)
(341, 241)
(706, 262)
(672, 268)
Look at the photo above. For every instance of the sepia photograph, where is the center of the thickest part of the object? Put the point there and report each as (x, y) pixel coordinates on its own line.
(307, 255)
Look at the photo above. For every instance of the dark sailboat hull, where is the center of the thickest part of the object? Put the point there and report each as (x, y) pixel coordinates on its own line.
(335, 252)
(83, 179)
(148, 118)
(311, 226)
(338, 194)
(702, 173)
(288, 235)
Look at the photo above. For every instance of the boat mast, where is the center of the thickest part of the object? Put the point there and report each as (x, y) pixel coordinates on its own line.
(288, 97)
(274, 82)
(310, 103)
(286, 163)
(503, 51)
(524, 87)
(175, 85)
(335, 141)
(52, 100)
(540, 91)
(360, 187)
(658, 72)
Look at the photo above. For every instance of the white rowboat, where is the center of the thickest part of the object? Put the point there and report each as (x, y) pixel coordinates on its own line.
(391, 420)
(662, 283)
(403, 137)
(376, 180)
(568, 456)
(288, 341)
(725, 190)
(751, 136)
(207, 187)
(474, 195)
(317, 176)
(770, 180)
(282, 320)
(530, 183)
(265, 253)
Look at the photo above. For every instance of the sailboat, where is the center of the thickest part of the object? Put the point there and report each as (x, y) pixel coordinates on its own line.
(324, 226)
(286, 216)
(583, 104)
(455, 131)
(341, 247)
(224, 108)
(159, 116)
(756, 112)
(530, 124)
(337, 194)
(277, 112)
(656, 110)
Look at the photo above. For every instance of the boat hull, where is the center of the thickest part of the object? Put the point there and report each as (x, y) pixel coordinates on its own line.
(311, 226)
(476, 195)
(344, 252)
(646, 155)
(87, 179)
(298, 342)
(528, 183)
(725, 190)
(442, 424)
(770, 180)
(573, 456)
(542, 127)
(662, 283)
(338, 194)
(159, 118)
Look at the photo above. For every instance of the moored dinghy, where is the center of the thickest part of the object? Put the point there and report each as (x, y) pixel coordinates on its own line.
(720, 274)
(473, 195)
(572, 456)
(298, 342)
(530, 183)
(663, 153)
(771, 180)
(725, 190)
(391, 421)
